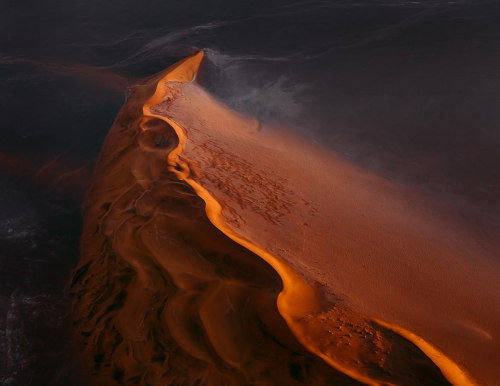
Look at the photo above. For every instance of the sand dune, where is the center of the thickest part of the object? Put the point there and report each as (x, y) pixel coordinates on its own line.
(216, 251)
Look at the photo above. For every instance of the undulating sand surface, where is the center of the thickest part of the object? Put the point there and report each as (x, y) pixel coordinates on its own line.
(217, 251)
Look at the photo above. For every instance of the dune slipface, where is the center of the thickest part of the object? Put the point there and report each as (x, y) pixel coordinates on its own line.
(215, 252)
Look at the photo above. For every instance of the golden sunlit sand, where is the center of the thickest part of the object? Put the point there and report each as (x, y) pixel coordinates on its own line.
(218, 252)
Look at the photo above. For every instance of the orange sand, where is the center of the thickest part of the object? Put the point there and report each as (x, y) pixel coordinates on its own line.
(377, 281)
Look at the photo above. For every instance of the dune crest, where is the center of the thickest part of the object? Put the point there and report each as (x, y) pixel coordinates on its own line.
(189, 196)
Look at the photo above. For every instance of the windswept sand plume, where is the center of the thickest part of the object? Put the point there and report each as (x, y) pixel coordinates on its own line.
(214, 252)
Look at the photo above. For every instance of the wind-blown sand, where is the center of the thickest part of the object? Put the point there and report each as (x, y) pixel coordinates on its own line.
(216, 251)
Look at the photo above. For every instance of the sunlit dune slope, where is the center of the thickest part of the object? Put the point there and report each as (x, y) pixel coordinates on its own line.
(189, 205)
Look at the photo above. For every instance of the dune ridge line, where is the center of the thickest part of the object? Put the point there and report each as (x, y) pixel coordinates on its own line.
(297, 299)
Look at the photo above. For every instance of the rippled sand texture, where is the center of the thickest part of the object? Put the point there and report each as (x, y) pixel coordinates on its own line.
(215, 252)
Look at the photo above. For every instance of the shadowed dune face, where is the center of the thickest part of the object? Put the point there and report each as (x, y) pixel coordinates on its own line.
(202, 236)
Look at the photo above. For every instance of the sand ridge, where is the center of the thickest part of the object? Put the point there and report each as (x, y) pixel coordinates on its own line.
(298, 299)
(261, 191)
(161, 296)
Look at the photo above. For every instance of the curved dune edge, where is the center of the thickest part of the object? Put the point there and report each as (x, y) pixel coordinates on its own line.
(298, 299)
(161, 296)
(450, 369)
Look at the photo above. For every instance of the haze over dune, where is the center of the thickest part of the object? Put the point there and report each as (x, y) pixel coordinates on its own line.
(216, 250)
